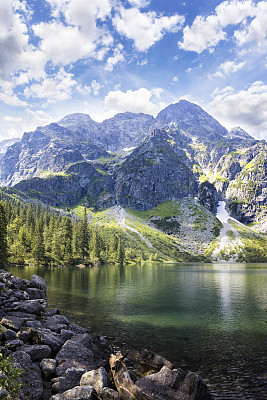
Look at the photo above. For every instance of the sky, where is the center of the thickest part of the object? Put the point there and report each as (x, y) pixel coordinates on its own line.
(102, 57)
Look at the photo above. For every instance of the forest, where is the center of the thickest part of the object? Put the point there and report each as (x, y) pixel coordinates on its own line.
(32, 234)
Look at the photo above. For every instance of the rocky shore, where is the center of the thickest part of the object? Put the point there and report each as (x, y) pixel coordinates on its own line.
(61, 361)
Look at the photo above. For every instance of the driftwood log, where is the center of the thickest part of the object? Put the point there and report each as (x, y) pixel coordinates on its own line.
(123, 382)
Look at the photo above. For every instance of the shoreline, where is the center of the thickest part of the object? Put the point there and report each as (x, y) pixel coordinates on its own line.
(66, 361)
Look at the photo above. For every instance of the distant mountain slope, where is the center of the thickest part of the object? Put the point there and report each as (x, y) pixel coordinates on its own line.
(80, 160)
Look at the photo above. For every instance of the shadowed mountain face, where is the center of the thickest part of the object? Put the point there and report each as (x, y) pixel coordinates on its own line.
(139, 161)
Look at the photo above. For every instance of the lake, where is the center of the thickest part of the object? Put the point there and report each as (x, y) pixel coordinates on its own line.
(209, 318)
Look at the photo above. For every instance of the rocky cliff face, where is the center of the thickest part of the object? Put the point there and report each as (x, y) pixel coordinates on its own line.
(173, 153)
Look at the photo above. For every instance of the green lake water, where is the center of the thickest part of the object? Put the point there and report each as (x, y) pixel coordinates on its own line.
(209, 318)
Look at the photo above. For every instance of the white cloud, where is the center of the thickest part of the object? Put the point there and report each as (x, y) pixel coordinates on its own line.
(140, 3)
(133, 100)
(247, 108)
(175, 79)
(93, 88)
(145, 29)
(228, 68)
(12, 120)
(53, 88)
(256, 31)
(117, 57)
(13, 36)
(207, 32)
(38, 118)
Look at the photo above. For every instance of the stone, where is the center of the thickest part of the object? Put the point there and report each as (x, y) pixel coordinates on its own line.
(38, 282)
(2, 286)
(77, 393)
(97, 378)
(48, 367)
(10, 335)
(77, 329)
(29, 306)
(174, 384)
(56, 323)
(35, 294)
(70, 379)
(33, 324)
(11, 322)
(66, 334)
(31, 377)
(74, 354)
(19, 314)
(51, 339)
(51, 312)
(13, 344)
(149, 358)
(37, 351)
(110, 394)
(25, 335)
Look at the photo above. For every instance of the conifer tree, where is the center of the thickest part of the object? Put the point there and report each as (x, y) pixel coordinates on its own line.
(38, 247)
(3, 235)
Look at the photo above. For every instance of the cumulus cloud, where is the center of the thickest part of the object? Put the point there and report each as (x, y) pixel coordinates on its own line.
(139, 3)
(247, 108)
(145, 29)
(228, 68)
(94, 88)
(117, 57)
(12, 120)
(133, 100)
(58, 87)
(207, 32)
(13, 36)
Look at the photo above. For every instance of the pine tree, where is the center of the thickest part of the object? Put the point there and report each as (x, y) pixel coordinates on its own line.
(3, 235)
(38, 247)
(84, 235)
(95, 246)
(120, 252)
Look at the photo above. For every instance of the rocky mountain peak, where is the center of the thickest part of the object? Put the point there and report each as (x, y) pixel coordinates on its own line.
(238, 132)
(192, 119)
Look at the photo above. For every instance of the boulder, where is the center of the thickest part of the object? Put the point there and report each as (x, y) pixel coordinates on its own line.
(11, 322)
(9, 335)
(38, 283)
(51, 339)
(97, 378)
(37, 351)
(75, 354)
(48, 367)
(77, 393)
(110, 394)
(70, 379)
(29, 306)
(174, 384)
(35, 294)
(31, 377)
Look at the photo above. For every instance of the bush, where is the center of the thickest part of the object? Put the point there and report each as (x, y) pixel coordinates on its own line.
(9, 378)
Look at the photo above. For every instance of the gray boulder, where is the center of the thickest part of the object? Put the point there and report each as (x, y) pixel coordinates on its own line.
(51, 339)
(97, 378)
(77, 393)
(31, 377)
(38, 283)
(11, 322)
(35, 294)
(110, 394)
(174, 385)
(37, 351)
(70, 379)
(48, 367)
(29, 306)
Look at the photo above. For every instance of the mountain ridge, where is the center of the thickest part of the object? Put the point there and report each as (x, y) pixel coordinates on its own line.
(78, 159)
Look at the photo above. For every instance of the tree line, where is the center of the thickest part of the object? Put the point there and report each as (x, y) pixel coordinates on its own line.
(30, 233)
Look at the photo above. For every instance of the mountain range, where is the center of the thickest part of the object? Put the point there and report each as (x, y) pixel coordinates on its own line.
(138, 161)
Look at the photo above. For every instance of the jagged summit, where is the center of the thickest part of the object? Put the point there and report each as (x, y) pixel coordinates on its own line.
(191, 118)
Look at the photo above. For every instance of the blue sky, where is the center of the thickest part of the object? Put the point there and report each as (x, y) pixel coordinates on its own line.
(102, 57)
